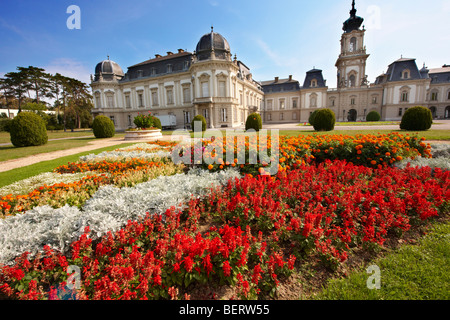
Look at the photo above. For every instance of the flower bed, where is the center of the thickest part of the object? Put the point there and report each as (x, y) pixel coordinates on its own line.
(159, 239)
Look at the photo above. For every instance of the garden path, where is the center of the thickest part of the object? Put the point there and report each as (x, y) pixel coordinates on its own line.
(92, 145)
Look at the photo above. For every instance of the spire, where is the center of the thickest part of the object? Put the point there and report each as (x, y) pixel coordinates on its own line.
(353, 11)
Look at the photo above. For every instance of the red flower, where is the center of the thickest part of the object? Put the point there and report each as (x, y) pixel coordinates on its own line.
(226, 268)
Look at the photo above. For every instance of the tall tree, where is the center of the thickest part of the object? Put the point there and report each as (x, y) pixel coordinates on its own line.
(37, 80)
(15, 85)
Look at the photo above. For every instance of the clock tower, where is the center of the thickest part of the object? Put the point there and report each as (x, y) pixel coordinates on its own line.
(351, 64)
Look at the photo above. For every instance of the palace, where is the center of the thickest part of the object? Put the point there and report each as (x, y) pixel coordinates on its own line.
(212, 83)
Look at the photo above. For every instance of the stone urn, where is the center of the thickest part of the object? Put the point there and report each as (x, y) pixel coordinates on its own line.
(143, 134)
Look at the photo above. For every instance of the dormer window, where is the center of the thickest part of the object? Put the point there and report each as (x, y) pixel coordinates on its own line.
(169, 68)
(153, 71)
(405, 74)
(314, 83)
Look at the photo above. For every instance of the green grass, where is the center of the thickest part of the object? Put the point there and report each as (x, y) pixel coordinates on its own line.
(5, 137)
(412, 272)
(18, 174)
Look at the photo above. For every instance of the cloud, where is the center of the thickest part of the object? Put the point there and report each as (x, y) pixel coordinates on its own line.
(69, 68)
(276, 58)
(214, 3)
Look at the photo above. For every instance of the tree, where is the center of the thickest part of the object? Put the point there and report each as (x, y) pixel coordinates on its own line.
(37, 80)
(14, 85)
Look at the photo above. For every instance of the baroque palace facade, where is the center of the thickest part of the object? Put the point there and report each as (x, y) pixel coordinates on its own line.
(211, 82)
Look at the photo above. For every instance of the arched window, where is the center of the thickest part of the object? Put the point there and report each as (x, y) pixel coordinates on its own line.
(447, 112)
(352, 81)
(405, 74)
(433, 112)
(314, 83)
(352, 47)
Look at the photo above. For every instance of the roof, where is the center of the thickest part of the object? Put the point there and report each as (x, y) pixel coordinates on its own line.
(440, 75)
(163, 58)
(311, 75)
(280, 81)
(395, 70)
(280, 85)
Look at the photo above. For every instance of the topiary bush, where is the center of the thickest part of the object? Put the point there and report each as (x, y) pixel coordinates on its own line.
(311, 117)
(324, 120)
(253, 121)
(157, 123)
(416, 119)
(373, 116)
(103, 127)
(28, 129)
(201, 118)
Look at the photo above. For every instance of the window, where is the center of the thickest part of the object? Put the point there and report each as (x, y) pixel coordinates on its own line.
(186, 95)
(140, 73)
(97, 101)
(127, 102)
(269, 117)
(154, 98)
(282, 105)
(205, 89)
(352, 101)
(140, 100)
(434, 96)
(333, 102)
(169, 68)
(113, 119)
(185, 65)
(405, 74)
(187, 117)
(352, 80)
(222, 89)
(448, 95)
(404, 97)
(206, 114)
(400, 112)
(153, 72)
(282, 116)
(110, 101)
(223, 115)
(294, 104)
(352, 47)
(313, 101)
(374, 100)
(314, 83)
(269, 104)
(169, 96)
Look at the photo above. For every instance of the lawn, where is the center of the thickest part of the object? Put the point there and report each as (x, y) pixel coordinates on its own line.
(18, 174)
(5, 137)
(411, 272)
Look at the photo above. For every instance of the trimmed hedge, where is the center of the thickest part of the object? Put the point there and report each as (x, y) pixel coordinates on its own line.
(28, 129)
(324, 120)
(417, 119)
(311, 117)
(201, 118)
(103, 127)
(253, 121)
(373, 116)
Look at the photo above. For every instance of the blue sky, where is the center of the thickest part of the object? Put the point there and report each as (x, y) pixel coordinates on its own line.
(273, 38)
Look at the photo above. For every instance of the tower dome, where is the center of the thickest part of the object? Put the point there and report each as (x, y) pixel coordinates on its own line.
(108, 70)
(212, 42)
(354, 22)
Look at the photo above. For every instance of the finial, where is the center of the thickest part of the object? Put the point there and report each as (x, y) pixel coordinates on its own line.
(108, 56)
(212, 28)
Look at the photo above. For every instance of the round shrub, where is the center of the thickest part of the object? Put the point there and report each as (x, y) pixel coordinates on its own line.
(28, 129)
(157, 123)
(324, 120)
(253, 121)
(103, 127)
(201, 118)
(311, 117)
(416, 119)
(373, 116)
